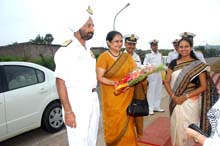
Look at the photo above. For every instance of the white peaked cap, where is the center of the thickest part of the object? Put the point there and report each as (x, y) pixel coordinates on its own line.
(187, 34)
(154, 41)
(79, 13)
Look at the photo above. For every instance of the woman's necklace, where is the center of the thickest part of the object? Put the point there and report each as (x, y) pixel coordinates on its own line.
(113, 54)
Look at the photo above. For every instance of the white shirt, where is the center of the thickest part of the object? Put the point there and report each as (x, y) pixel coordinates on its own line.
(76, 66)
(136, 58)
(172, 55)
(200, 56)
(153, 58)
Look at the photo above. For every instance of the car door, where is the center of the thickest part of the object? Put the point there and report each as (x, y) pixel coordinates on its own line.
(3, 130)
(27, 90)
(3, 127)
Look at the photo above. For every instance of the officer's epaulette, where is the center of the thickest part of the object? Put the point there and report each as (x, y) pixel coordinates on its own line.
(66, 43)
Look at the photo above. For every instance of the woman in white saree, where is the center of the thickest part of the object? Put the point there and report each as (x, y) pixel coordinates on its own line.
(185, 82)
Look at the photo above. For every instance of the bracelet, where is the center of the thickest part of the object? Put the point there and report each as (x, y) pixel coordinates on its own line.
(68, 112)
(195, 138)
(172, 95)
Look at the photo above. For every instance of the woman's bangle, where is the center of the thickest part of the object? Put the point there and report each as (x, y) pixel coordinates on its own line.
(70, 112)
(172, 95)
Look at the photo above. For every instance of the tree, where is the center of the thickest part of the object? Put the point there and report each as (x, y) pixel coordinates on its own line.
(43, 40)
(48, 38)
(38, 40)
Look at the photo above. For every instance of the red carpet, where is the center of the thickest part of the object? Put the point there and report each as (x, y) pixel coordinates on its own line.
(157, 133)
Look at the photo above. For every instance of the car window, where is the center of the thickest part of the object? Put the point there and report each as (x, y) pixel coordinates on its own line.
(40, 76)
(21, 76)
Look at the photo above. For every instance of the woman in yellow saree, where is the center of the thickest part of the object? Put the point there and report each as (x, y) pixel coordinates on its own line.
(113, 65)
(186, 82)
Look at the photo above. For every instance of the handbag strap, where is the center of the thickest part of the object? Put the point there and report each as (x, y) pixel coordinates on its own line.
(121, 134)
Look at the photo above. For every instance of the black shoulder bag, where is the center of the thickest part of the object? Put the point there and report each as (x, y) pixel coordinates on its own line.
(138, 107)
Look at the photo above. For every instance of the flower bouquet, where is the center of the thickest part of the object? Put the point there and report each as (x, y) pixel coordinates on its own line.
(136, 76)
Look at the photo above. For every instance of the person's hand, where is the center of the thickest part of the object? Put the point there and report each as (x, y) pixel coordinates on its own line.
(115, 83)
(174, 99)
(125, 89)
(179, 99)
(70, 119)
(190, 132)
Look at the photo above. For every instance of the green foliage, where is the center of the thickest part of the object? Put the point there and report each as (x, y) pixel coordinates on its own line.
(47, 62)
(211, 53)
(11, 58)
(48, 38)
(43, 40)
(164, 52)
(38, 40)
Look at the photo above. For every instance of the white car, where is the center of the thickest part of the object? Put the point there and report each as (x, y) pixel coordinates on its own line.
(28, 99)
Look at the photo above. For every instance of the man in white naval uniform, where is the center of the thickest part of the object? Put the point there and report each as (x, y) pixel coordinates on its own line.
(130, 47)
(191, 36)
(155, 79)
(173, 54)
(76, 81)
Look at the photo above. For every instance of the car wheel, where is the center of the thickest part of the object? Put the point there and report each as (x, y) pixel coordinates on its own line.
(52, 120)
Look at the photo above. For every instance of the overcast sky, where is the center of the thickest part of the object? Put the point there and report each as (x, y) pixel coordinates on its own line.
(22, 20)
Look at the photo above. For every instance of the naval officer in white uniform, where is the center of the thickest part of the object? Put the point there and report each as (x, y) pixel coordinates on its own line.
(76, 80)
(155, 79)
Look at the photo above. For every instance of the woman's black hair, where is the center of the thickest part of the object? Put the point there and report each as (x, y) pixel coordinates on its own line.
(192, 54)
(112, 34)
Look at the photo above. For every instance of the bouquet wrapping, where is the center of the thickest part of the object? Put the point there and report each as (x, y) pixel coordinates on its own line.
(136, 76)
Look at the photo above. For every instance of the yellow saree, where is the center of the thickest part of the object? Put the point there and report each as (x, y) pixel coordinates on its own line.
(118, 127)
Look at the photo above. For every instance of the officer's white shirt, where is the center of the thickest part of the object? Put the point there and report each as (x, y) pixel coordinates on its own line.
(200, 56)
(153, 58)
(172, 55)
(136, 58)
(76, 66)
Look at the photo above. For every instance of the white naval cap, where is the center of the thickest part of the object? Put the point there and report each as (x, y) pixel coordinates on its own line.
(80, 13)
(175, 41)
(154, 41)
(187, 35)
(131, 38)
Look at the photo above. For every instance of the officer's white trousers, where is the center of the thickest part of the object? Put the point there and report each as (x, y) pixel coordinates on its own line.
(154, 91)
(87, 111)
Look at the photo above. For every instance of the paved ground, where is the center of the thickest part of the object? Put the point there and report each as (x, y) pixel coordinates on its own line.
(39, 137)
